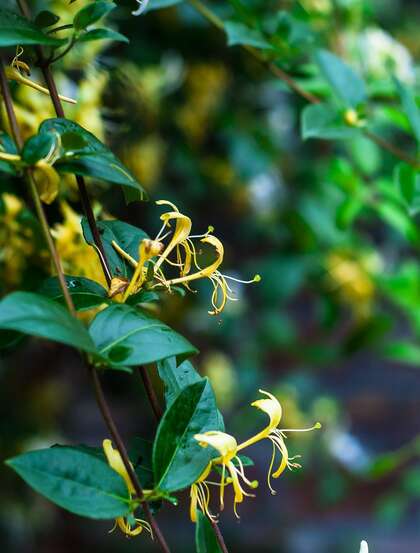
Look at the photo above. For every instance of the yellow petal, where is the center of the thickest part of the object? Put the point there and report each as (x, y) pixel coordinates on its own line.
(181, 233)
(271, 406)
(224, 443)
(14, 75)
(115, 462)
(47, 181)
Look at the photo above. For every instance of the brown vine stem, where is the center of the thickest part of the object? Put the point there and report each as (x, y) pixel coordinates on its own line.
(17, 136)
(293, 85)
(100, 397)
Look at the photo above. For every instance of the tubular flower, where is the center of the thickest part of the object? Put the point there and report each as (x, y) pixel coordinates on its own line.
(364, 548)
(142, 7)
(181, 245)
(229, 461)
(130, 525)
(272, 408)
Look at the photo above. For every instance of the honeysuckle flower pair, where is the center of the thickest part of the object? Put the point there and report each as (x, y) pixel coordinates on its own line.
(130, 525)
(232, 468)
(154, 256)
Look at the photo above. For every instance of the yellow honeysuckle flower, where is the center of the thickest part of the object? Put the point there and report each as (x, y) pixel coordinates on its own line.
(130, 526)
(272, 408)
(227, 446)
(182, 244)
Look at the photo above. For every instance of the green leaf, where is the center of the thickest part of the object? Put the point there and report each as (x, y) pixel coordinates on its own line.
(46, 18)
(144, 296)
(37, 147)
(91, 158)
(127, 337)
(396, 216)
(36, 315)
(126, 236)
(140, 453)
(159, 4)
(176, 378)
(75, 480)
(410, 107)
(403, 352)
(102, 34)
(238, 33)
(16, 30)
(85, 293)
(205, 538)
(408, 182)
(178, 460)
(323, 121)
(92, 13)
(347, 85)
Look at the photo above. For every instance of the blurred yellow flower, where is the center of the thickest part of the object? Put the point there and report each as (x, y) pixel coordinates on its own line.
(78, 258)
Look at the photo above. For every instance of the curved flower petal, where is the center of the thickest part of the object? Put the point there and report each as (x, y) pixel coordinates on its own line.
(115, 462)
(224, 443)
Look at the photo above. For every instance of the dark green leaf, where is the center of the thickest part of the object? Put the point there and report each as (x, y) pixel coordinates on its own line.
(16, 30)
(39, 316)
(75, 480)
(205, 538)
(238, 33)
(92, 13)
(126, 236)
(46, 19)
(102, 34)
(92, 159)
(85, 293)
(37, 147)
(140, 454)
(323, 121)
(127, 337)
(403, 352)
(347, 85)
(144, 296)
(178, 460)
(176, 378)
(410, 107)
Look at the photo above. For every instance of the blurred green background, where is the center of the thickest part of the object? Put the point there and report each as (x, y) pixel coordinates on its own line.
(331, 328)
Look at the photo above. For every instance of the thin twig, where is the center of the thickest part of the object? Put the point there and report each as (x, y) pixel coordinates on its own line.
(293, 85)
(218, 534)
(151, 394)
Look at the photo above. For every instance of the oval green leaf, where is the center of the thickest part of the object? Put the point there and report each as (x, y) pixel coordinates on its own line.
(16, 30)
(127, 337)
(75, 480)
(178, 460)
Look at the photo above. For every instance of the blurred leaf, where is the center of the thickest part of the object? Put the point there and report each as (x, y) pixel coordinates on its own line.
(92, 13)
(159, 4)
(205, 539)
(238, 33)
(410, 107)
(93, 159)
(16, 30)
(323, 121)
(347, 85)
(75, 480)
(36, 315)
(85, 293)
(391, 509)
(178, 459)
(46, 18)
(396, 216)
(127, 236)
(126, 337)
(407, 180)
(347, 212)
(403, 352)
(102, 34)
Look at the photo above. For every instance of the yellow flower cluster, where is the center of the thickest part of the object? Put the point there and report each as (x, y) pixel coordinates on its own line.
(154, 256)
(229, 461)
(16, 241)
(206, 85)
